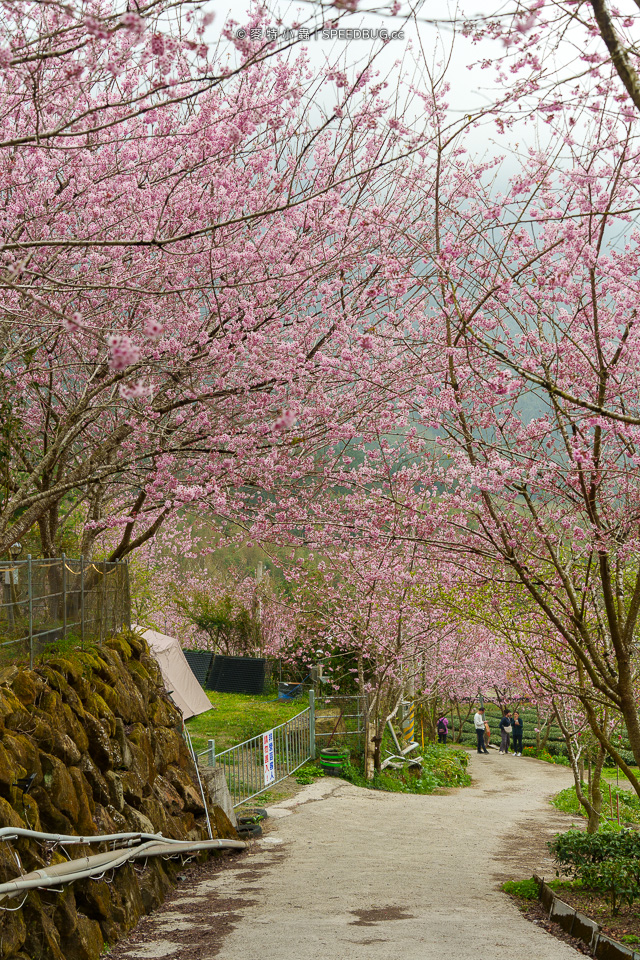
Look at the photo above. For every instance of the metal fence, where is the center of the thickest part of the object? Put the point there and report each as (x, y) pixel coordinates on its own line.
(259, 763)
(340, 720)
(45, 601)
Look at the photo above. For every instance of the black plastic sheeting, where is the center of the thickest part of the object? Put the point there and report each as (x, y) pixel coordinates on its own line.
(200, 663)
(237, 675)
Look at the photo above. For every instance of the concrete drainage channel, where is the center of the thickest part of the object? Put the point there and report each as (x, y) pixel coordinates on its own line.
(581, 927)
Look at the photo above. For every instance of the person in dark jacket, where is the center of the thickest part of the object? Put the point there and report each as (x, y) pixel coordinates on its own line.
(505, 731)
(442, 729)
(516, 723)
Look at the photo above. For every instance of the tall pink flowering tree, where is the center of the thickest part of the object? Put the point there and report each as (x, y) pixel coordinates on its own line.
(178, 289)
(483, 442)
(534, 299)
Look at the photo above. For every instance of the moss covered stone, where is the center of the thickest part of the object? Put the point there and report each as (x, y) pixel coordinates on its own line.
(120, 644)
(143, 754)
(70, 668)
(24, 687)
(75, 728)
(99, 742)
(99, 707)
(14, 934)
(58, 782)
(10, 770)
(101, 736)
(169, 750)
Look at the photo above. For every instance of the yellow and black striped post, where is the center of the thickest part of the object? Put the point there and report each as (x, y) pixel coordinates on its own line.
(409, 723)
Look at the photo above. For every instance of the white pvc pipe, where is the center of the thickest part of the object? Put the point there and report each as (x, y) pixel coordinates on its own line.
(86, 867)
(11, 833)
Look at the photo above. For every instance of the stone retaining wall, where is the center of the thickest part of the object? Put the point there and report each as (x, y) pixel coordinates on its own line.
(104, 741)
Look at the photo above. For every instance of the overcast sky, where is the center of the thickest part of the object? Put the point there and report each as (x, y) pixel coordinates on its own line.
(470, 89)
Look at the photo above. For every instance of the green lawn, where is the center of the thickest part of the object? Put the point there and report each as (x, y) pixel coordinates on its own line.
(235, 717)
(609, 773)
(568, 802)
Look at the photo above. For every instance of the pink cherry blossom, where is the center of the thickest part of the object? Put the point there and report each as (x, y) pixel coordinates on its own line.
(122, 352)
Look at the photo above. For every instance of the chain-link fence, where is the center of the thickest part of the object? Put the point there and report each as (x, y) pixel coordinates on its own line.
(51, 601)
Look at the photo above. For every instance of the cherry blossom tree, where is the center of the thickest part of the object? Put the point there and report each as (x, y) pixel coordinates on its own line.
(70, 71)
(533, 299)
(358, 603)
(177, 288)
(554, 57)
(369, 599)
(482, 441)
(181, 584)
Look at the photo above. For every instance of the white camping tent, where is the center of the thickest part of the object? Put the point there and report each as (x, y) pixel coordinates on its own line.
(178, 676)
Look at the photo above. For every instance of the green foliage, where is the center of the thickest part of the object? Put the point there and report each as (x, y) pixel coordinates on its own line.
(607, 862)
(64, 646)
(266, 798)
(546, 756)
(229, 625)
(567, 801)
(309, 773)
(630, 938)
(447, 765)
(525, 889)
(442, 766)
(386, 780)
(235, 717)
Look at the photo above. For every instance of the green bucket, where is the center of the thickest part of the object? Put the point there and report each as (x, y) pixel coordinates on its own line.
(334, 758)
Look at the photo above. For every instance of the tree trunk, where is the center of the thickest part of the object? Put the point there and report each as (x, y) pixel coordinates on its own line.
(458, 733)
(377, 755)
(369, 727)
(370, 747)
(595, 793)
(592, 800)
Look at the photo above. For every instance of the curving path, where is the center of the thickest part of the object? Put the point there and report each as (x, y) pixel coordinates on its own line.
(351, 874)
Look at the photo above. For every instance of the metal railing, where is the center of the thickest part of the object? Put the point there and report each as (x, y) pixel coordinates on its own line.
(339, 719)
(259, 763)
(45, 601)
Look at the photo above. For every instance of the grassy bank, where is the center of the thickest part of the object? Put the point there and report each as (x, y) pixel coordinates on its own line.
(235, 717)
(626, 800)
(441, 767)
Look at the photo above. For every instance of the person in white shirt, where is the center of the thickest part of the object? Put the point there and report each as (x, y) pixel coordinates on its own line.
(478, 722)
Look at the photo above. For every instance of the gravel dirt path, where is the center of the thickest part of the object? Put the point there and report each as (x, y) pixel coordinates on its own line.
(349, 874)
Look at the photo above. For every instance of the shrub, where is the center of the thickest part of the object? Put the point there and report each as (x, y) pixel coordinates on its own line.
(607, 862)
(442, 766)
(309, 773)
(546, 756)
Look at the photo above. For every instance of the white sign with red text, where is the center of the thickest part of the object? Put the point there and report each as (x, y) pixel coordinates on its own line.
(269, 757)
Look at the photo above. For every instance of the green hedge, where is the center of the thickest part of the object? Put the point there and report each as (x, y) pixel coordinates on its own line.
(608, 862)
